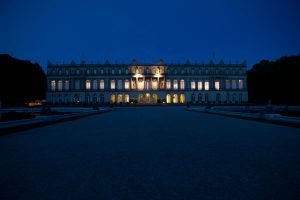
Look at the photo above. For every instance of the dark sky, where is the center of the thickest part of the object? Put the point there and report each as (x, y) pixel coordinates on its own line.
(120, 30)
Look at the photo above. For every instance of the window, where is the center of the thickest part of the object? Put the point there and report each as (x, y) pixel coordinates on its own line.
(126, 98)
(182, 84)
(175, 98)
(126, 84)
(53, 85)
(217, 85)
(120, 85)
(112, 71)
(182, 98)
(88, 84)
(77, 72)
(193, 85)
(200, 85)
(127, 72)
(101, 71)
(95, 71)
(77, 85)
(175, 85)
(168, 84)
(154, 84)
(227, 83)
(168, 98)
(120, 71)
(59, 85)
(206, 85)
(88, 71)
(67, 85)
(241, 84)
(112, 84)
(101, 84)
(95, 85)
(112, 99)
(234, 84)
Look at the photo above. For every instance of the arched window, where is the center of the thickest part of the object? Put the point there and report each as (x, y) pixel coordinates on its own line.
(241, 98)
(175, 98)
(168, 98)
(76, 98)
(218, 98)
(200, 98)
(101, 98)
(112, 99)
(193, 98)
(182, 98)
(206, 97)
(95, 98)
(233, 97)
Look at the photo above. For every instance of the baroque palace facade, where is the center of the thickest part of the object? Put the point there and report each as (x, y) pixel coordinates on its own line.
(147, 84)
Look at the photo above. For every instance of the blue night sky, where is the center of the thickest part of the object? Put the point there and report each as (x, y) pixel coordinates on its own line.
(120, 30)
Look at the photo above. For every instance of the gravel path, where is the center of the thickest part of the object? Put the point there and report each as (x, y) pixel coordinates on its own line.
(152, 153)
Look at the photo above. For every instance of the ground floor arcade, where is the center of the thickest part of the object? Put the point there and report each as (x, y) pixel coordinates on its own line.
(157, 97)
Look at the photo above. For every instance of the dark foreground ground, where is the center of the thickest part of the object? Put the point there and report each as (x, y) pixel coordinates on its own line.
(152, 153)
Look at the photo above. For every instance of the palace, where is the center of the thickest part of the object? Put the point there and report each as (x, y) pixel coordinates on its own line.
(147, 83)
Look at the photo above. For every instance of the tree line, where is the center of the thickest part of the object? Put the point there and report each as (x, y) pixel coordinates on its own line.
(20, 81)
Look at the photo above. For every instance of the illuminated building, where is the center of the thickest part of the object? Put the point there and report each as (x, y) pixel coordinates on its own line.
(147, 83)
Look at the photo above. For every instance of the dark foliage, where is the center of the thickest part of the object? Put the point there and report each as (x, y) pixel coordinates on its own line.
(276, 81)
(20, 81)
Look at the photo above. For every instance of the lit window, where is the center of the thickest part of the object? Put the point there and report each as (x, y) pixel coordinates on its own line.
(234, 84)
(95, 85)
(140, 84)
(119, 84)
(168, 98)
(112, 98)
(53, 85)
(77, 84)
(193, 85)
(126, 98)
(101, 84)
(112, 84)
(182, 84)
(217, 85)
(67, 85)
(241, 84)
(126, 84)
(88, 84)
(154, 84)
(168, 84)
(59, 85)
(200, 85)
(175, 85)
(206, 85)
(227, 83)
